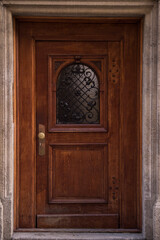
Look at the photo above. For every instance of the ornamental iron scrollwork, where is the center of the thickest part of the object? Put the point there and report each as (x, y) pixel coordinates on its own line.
(77, 95)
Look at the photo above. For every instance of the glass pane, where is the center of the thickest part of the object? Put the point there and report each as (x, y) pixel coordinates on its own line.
(77, 95)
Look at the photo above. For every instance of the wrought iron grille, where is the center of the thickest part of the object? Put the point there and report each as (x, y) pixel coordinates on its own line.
(77, 95)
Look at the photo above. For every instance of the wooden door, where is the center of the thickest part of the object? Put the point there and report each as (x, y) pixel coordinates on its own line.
(80, 115)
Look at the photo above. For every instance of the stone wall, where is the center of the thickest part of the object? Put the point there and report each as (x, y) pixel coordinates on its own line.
(149, 9)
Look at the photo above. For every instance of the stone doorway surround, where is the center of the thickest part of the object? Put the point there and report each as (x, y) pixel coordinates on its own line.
(150, 11)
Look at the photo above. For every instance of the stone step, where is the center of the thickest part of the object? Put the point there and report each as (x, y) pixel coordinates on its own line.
(76, 236)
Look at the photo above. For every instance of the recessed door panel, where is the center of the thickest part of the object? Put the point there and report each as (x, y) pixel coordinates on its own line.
(78, 173)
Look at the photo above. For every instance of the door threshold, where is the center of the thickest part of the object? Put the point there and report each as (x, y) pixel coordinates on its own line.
(77, 230)
(76, 236)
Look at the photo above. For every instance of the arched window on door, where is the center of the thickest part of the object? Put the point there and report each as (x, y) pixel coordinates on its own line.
(77, 95)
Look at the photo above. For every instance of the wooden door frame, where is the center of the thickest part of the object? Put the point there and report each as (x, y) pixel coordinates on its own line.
(16, 104)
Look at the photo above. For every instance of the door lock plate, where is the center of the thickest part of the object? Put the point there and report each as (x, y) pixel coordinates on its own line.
(41, 140)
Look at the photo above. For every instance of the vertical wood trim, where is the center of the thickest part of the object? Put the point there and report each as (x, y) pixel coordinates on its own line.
(27, 128)
(120, 150)
(130, 116)
(51, 94)
(34, 128)
(139, 123)
(113, 120)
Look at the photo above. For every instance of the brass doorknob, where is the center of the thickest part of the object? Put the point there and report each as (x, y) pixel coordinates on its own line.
(41, 135)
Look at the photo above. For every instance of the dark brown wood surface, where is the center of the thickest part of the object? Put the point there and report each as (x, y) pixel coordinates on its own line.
(89, 176)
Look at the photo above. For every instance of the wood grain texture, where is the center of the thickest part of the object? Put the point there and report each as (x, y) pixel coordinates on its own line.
(114, 78)
(78, 221)
(73, 168)
(129, 109)
(26, 109)
(119, 128)
(78, 173)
